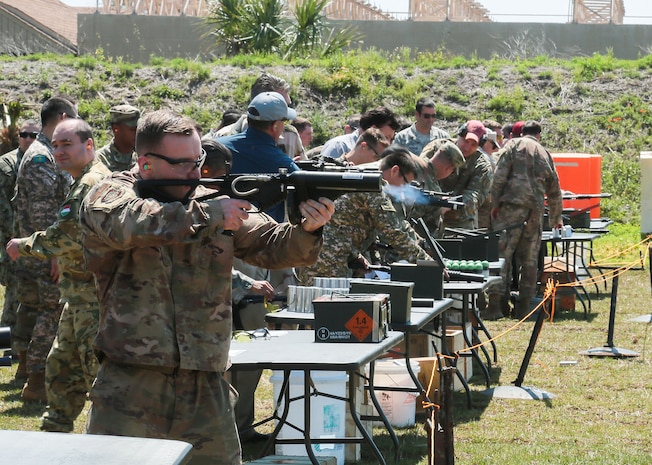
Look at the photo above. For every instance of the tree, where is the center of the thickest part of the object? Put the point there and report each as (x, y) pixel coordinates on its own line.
(266, 26)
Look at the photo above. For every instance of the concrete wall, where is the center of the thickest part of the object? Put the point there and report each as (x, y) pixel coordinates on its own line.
(136, 38)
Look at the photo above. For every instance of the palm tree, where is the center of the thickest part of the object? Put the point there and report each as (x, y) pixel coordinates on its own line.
(265, 26)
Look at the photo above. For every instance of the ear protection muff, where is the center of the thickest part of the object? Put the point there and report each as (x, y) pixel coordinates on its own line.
(463, 130)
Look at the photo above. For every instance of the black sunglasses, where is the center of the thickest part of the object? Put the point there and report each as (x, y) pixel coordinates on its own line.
(183, 163)
(25, 134)
(428, 115)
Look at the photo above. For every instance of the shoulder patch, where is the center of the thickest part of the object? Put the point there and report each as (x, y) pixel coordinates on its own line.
(112, 194)
(65, 211)
(39, 158)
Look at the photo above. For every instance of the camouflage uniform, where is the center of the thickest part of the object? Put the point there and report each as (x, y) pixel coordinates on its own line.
(115, 160)
(71, 365)
(415, 141)
(358, 219)
(163, 272)
(525, 174)
(430, 214)
(484, 211)
(41, 188)
(9, 163)
(473, 182)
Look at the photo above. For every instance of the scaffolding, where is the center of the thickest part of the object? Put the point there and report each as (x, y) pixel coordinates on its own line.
(584, 11)
(598, 11)
(155, 7)
(448, 10)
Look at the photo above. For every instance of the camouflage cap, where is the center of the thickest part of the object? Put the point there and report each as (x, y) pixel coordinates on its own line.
(454, 154)
(124, 114)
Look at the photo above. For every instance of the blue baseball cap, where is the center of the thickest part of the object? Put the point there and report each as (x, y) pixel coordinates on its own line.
(270, 106)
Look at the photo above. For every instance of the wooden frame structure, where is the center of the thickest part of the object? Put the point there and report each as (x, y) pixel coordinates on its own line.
(584, 11)
(598, 11)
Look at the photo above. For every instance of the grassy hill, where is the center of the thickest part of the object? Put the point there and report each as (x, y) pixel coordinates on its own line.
(591, 104)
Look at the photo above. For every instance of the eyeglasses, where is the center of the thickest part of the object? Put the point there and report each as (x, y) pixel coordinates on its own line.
(25, 135)
(370, 147)
(403, 176)
(244, 336)
(428, 115)
(181, 165)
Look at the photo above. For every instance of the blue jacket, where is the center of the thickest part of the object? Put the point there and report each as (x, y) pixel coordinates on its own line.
(256, 152)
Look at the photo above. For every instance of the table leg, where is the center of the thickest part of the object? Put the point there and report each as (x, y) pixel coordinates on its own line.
(284, 393)
(586, 308)
(483, 328)
(466, 302)
(453, 360)
(381, 414)
(587, 269)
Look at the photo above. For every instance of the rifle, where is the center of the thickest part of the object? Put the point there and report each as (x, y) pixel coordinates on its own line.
(412, 195)
(267, 190)
(441, 199)
(322, 164)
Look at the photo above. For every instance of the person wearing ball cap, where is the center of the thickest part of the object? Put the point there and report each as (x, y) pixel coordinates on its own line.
(255, 150)
(472, 181)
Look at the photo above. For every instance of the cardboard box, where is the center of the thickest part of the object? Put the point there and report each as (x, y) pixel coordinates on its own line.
(557, 270)
(421, 345)
(429, 378)
(351, 318)
(400, 295)
(455, 343)
(426, 275)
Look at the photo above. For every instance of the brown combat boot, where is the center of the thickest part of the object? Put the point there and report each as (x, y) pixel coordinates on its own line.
(34, 388)
(21, 371)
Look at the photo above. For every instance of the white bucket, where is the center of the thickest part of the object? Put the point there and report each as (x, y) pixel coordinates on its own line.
(327, 415)
(646, 192)
(399, 407)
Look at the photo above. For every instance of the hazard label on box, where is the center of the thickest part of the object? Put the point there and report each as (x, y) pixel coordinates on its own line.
(361, 325)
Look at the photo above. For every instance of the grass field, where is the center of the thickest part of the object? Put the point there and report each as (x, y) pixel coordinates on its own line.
(600, 414)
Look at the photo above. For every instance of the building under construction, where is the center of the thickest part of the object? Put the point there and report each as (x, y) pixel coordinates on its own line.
(584, 11)
(50, 25)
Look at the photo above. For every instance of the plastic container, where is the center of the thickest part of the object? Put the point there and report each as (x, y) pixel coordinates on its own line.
(646, 193)
(580, 173)
(327, 415)
(399, 407)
